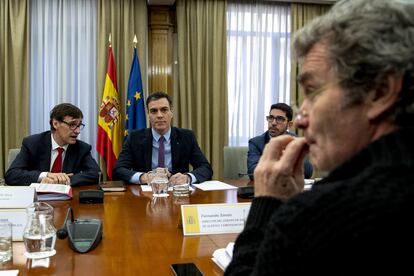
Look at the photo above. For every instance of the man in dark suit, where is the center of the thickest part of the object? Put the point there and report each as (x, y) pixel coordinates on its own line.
(279, 120)
(55, 156)
(161, 146)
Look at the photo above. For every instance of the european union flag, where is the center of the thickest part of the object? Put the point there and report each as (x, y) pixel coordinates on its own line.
(135, 109)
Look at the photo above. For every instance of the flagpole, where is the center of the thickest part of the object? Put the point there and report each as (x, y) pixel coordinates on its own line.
(135, 41)
(109, 40)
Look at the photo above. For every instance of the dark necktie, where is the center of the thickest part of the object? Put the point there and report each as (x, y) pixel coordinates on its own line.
(57, 165)
(161, 163)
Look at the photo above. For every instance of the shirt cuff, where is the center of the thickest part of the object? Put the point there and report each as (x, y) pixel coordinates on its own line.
(41, 176)
(193, 178)
(135, 178)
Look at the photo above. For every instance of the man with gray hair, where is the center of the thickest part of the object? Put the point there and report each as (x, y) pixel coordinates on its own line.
(357, 75)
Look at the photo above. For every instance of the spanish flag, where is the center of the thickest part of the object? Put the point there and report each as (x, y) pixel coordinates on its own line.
(109, 140)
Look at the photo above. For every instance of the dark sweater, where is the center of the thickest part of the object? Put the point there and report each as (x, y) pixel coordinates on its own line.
(357, 220)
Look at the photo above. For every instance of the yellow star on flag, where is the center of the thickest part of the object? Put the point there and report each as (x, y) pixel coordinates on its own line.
(126, 132)
(137, 95)
(129, 103)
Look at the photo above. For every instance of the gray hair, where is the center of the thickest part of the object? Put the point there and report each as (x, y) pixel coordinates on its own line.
(367, 40)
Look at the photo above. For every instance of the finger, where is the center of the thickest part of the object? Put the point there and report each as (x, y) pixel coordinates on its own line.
(274, 149)
(53, 178)
(178, 178)
(46, 180)
(144, 178)
(292, 155)
(173, 179)
(62, 178)
(299, 169)
(66, 178)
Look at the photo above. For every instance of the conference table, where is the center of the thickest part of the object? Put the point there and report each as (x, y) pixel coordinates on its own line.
(140, 236)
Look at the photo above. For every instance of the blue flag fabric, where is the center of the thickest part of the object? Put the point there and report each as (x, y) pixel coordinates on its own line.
(135, 108)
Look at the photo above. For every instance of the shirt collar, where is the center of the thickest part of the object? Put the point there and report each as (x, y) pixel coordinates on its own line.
(157, 136)
(55, 145)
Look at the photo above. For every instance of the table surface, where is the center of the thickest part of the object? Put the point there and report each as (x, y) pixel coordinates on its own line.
(139, 237)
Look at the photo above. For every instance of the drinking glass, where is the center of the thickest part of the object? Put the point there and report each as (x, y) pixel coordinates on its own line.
(6, 252)
(182, 189)
(158, 179)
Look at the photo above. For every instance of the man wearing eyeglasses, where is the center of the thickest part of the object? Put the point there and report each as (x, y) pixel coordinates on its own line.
(279, 122)
(55, 156)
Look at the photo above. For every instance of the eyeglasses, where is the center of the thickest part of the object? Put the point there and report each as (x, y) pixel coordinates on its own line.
(278, 119)
(74, 126)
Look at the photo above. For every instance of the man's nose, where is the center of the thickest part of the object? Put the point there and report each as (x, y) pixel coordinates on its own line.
(302, 119)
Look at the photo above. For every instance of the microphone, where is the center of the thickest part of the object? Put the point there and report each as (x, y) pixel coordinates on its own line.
(62, 233)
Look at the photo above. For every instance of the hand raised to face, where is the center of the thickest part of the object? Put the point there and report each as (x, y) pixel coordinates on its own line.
(279, 172)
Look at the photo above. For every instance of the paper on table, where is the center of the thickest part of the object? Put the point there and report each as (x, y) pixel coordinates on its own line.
(46, 192)
(222, 257)
(9, 272)
(214, 185)
(309, 183)
(147, 188)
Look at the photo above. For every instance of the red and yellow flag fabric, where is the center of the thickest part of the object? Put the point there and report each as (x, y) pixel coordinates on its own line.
(109, 138)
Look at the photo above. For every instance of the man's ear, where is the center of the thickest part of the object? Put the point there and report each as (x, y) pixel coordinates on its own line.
(55, 123)
(290, 124)
(384, 96)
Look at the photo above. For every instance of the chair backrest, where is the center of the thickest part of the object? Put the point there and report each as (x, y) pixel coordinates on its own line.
(12, 155)
(235, 162)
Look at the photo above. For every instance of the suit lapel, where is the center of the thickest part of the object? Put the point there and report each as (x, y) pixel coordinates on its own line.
(45, 153)
(148, 149)
(70, 158)
(175, 149)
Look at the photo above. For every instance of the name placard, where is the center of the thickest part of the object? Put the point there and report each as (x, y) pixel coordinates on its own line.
(13, 203)
(205, 219)
(16, 197)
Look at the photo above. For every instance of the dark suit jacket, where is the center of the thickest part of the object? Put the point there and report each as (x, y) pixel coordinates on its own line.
(136, 155)
(256, 146)
(34, 158)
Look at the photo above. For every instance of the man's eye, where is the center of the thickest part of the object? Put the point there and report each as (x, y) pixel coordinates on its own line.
(310, 92)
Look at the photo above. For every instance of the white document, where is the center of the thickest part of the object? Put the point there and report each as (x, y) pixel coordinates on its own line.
(46, 192)
(308, 184)
(9, 272)
(222, 257)
(51, 188)
(147, 188)
(214, 185)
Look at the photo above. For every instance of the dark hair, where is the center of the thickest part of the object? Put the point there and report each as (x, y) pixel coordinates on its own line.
(64, 109)
(158, 95)
(285, 108)
(367, 40)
